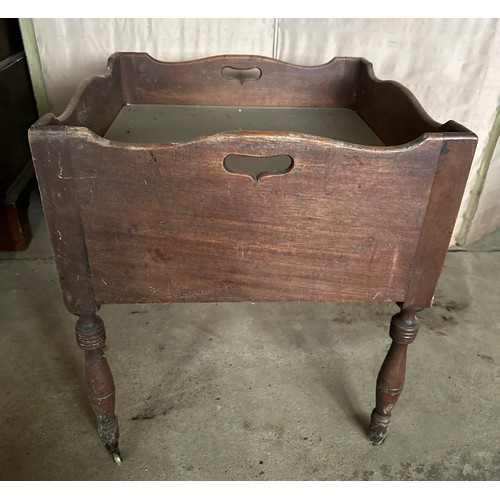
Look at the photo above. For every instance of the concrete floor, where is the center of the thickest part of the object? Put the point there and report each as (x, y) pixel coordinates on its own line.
(251, 391)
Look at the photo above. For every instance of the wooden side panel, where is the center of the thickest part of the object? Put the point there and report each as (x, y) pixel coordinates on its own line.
(200, 82)
(97, 100)
(392, 111)
(52, 161)
(454, 164)
(170, 224)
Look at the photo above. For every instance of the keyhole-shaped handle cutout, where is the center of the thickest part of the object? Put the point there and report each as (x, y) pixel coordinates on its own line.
(241, 75)
(257, 167)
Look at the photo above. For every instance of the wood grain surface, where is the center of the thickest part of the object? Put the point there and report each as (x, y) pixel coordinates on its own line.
(148, 81)
(160, 222)
(170, 224)
(168, 217)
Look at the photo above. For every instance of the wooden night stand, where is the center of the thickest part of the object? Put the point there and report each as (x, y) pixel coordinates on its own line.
(243, 178)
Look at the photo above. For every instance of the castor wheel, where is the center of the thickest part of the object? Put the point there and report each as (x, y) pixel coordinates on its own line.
(116, 456)
(379, 425)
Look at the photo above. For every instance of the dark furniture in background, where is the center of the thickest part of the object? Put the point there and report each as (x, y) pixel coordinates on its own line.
(149, 198)
(17, 112)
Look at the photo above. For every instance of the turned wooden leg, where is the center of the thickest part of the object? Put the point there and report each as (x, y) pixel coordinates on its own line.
(91, 337)
(390, 380)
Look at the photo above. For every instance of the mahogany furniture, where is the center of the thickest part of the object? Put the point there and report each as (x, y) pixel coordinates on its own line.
(243, 178)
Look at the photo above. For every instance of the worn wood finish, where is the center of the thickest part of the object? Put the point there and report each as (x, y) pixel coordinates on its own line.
(57, 183)
(392, 111)
(97, 100)
(91, 337)
(391, 378)
(148, 81)
(166, 221)
(457, 152)
(170, 224)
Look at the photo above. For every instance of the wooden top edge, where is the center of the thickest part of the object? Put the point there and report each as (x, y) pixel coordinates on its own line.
(448, 126)
(235, 58)
(113, 62)
(256, 136)
(407, 92)
(51, 119)
(73, 103)
(112, 67)
(50, 123)
(460, 130)
(46, 120)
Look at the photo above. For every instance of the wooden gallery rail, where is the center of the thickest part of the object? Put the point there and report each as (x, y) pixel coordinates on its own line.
(243, 178)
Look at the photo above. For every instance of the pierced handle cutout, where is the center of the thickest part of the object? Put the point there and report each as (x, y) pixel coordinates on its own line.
(241, 75)
(257, 167)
